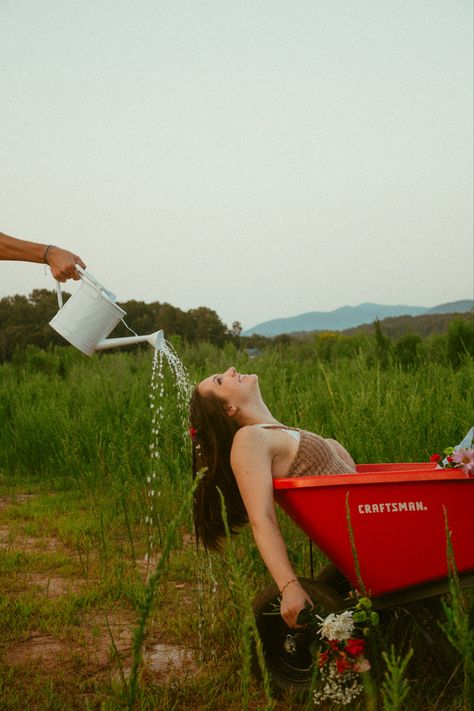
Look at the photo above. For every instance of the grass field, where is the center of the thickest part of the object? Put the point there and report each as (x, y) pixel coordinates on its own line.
(101, 609)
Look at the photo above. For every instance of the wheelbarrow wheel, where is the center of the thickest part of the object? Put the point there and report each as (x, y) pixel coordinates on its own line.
(287, 652)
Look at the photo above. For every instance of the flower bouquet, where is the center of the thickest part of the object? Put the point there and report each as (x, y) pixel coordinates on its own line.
(459, 457)
(342, 658)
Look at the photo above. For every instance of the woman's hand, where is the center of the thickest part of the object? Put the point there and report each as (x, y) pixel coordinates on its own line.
(293, 601)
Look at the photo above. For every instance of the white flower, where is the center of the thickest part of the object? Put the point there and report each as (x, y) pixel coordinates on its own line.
(339, 688)
(337, 626)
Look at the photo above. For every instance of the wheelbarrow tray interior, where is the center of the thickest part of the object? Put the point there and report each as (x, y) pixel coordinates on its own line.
(397, 513)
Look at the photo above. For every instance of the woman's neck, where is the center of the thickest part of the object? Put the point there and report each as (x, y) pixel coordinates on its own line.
(257, 415)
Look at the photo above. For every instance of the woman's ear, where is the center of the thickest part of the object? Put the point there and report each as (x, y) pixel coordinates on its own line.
(230, 410)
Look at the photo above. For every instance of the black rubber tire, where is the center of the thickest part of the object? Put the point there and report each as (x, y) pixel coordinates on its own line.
(331, 576)
(287, 651)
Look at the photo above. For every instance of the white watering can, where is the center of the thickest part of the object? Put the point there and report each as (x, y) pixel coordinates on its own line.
(90, 314)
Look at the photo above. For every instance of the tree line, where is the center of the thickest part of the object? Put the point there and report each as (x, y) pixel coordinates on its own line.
(406, 341)
(24, 321)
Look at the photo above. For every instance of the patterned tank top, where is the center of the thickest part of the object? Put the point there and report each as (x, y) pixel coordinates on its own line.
(315, 455)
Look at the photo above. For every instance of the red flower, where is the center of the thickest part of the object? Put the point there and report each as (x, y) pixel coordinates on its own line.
(192, 432)
(435, 458)
(355, 647)
(450, 459)
(343, 664)
(323, 658)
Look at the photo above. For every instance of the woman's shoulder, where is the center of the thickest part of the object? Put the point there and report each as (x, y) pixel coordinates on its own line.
(261, 435)
(257, 435)
(250, 434)
(251, 446)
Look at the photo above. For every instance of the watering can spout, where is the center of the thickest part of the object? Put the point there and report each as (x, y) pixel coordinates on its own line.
(156, 340)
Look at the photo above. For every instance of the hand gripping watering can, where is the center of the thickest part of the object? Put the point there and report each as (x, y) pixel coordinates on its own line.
(90, 314)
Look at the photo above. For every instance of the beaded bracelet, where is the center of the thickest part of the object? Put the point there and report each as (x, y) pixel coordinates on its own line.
(50, 246)
(293, 580)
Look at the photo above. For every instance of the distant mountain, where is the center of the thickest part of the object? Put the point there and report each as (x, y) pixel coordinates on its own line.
(454, 307)
(349, 317)
(423, 325)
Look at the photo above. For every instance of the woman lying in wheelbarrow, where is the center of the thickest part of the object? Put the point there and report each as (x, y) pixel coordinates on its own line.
(242, 448)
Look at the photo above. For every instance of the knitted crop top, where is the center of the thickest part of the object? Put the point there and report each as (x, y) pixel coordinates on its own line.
(315, 455)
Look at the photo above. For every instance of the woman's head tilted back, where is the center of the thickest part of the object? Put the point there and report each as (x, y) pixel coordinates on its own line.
(213, 433)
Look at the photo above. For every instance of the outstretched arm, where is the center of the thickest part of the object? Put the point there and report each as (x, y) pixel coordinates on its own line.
(251, 461)
(62, 263)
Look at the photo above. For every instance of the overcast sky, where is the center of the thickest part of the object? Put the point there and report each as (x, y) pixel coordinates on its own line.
(262, 158)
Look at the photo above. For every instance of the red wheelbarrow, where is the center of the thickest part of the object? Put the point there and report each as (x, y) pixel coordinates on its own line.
(395, 516)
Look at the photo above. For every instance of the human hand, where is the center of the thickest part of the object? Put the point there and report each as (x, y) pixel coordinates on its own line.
(63, 264)
(293, 600)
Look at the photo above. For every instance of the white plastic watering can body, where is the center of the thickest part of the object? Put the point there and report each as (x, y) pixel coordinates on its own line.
(90, 314)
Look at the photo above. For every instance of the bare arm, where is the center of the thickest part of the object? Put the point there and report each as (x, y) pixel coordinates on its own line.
(251, 460)
(62, 262)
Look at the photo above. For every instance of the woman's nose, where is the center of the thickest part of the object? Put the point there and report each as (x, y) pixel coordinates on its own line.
(231, 371)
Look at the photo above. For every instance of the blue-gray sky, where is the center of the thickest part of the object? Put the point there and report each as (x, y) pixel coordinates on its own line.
(262, 158)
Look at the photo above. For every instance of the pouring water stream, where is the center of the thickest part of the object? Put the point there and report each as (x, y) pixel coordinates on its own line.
(157, 388)
(205, 576)
(86, 320)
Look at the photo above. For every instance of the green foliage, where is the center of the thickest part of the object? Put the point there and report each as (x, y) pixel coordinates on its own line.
(170, 543)
(395, 687)
(460, 340)
(406, 350)
(408, 341)
(382, 345)
(78, 430)
(243, 596)
(424, 325)
(458, 628)
(66, 416)
(24, 321)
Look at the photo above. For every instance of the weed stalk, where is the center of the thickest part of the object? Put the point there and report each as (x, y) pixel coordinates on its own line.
(248, 624)
(395, 687)
(457, 628)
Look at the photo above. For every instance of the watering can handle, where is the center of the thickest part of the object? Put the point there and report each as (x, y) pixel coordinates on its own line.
(59, 294)
(85, 275)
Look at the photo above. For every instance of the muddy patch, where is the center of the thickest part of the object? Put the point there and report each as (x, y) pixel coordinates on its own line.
(167, 661)
(15, 537)
(44, 650)
(146, 566)
(101, 643)
(105, 636)
(55, 586)
(29, 544)
(6, 501)
(164, 663)
(97, 642)
(5, 537)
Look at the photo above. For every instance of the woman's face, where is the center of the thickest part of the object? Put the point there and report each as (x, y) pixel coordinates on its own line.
(231, 387)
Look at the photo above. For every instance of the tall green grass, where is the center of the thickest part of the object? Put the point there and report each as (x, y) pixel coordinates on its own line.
(79, 419)
(81, 428)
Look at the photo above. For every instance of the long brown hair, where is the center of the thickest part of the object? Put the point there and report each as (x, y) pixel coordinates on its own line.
(213, 433)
